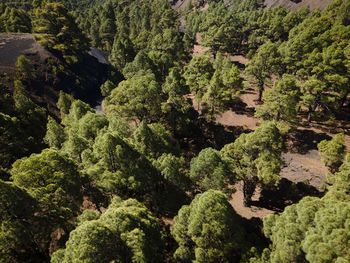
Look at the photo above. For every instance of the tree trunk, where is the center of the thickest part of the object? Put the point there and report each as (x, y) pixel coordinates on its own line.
(313, 107)
(261, 89)
(278, 116)
(342, 101)
(212, 118)
(248, 190)
(309, 115)
(173, 117)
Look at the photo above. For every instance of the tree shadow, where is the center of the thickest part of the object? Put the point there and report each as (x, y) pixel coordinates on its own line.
(240, 107)
(239, 65)
(206, 134)
(302, 141)
(218, 135)
(343, 114)
(285, 193)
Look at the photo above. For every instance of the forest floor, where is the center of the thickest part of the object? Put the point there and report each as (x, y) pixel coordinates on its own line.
(302, 172)
(301, 164)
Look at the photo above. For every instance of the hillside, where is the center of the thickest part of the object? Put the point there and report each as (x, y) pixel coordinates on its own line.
(82, 80)
(221, 133)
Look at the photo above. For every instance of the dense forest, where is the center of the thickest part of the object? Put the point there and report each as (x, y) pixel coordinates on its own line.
(154, 175)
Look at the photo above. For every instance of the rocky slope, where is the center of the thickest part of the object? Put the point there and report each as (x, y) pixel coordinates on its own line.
(52, 75)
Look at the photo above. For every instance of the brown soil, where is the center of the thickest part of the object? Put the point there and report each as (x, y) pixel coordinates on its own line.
(242, 112)
(247, 212)
(302, 164)
(240, 59)
(168, 221)
(230, 118)
(198, 49)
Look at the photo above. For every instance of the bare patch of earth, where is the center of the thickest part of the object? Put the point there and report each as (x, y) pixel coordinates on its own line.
(12, 45)
(168, 221)
(304, 168)
(230, 118)
(247, 212)
(240, 59)
(242, 116)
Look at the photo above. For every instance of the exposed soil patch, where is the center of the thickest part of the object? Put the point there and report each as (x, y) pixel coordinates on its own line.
(199, 50)
(302, 140)
(304, 168)
(168, 221)
(247, 212)
(12, 45)
(241, 113)
(230, 118)
(240, 61)
(249, 97)
(273, 199)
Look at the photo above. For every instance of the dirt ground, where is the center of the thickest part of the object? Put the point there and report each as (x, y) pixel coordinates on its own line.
(301, 164)
(298, 167)
(248, 212)
(12, 45)
(230, 118)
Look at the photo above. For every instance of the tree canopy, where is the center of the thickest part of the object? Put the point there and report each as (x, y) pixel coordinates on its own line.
(60, 32)
(149, 178)
(256, 157)
(54, 180)
(126, 232)
(208, 230)
(315, 230)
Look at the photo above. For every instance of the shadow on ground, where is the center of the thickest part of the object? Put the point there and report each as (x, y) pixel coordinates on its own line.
(238, 106)
(302, 141)
(285, 193)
